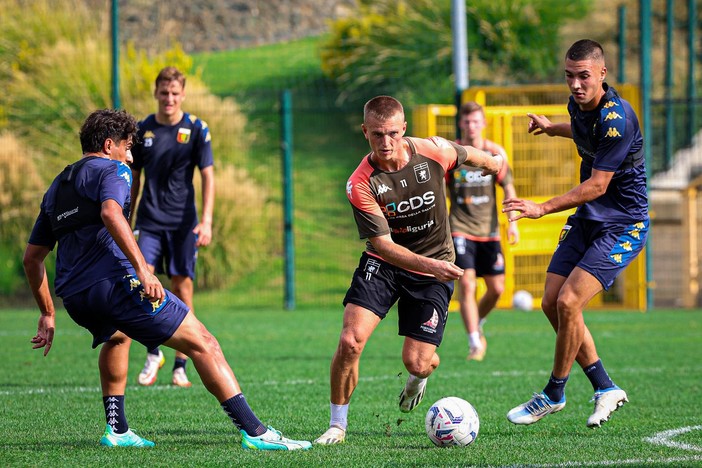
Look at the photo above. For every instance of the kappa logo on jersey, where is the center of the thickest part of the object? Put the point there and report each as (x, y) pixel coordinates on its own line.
(612, 116)
(372, 267)
(133, 286)
(421, 172)
(430, 325)
(383, 189)
(609, 104)
(612, 132)
(183, 135)
(149, 139)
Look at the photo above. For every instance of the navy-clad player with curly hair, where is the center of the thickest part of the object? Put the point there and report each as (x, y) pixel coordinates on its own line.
(108, 288)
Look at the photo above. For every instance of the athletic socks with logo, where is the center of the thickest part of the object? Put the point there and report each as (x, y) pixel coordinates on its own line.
(555, 388)
(114, 413)
(598, 376)
(242, 416)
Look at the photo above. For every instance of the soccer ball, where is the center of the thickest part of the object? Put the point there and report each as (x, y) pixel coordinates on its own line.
(522, 300)
(452, 421)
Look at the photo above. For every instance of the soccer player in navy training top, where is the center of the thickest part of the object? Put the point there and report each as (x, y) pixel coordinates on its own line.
(398, 197)
(108, 288)
(607, 231)
(170, 144)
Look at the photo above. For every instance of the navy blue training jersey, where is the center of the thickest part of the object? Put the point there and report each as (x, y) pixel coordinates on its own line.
(88, 253)
(609, 139)
(168, 155)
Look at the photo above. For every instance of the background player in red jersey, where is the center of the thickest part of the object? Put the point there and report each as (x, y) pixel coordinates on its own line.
(398, 197)
(475, 228)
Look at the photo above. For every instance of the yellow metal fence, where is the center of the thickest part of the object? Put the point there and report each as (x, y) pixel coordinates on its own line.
(543, 167)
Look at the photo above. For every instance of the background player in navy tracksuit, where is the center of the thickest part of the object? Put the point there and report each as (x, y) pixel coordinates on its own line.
(108, 288)
(607, 231)
(170, 145)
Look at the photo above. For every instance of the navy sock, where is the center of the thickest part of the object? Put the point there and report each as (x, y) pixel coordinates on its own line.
(555, 388)
(153, 351)
(114, 413)
(179, 362)
(598, 376)
(242, 416)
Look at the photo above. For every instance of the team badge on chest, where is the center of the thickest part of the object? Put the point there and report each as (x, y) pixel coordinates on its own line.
(183, 135)
(421, 173)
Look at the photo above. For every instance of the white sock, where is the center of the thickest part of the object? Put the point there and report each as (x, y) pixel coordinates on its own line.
(339, 415)
(474, 340)
(413, 382)
(482, 322)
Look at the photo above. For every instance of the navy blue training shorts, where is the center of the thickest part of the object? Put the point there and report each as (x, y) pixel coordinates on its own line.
(423, 300)
(117, 304)
(602, 249)
(170, 252)
(484, 257)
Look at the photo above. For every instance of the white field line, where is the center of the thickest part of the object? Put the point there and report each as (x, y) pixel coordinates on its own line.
(661, 438)
(664, 438)
(324, 380)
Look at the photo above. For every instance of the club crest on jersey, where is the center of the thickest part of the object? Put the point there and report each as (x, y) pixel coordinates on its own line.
(183, 135)
(149, 139)
(421, 172)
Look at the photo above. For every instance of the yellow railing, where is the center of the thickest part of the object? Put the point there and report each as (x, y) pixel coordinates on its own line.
(543, 167)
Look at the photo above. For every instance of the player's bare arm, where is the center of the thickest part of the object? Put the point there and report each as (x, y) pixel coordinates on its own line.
(408, 260)
(204, 227)
(589, 190)
(540, 124)
(492, 164)
(35, 271)
(121, 232)
(512, 228)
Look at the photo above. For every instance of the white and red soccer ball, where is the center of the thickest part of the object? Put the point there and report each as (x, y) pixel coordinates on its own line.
(452, 421)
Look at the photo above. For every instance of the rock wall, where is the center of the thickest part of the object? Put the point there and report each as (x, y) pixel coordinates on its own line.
(210, 25)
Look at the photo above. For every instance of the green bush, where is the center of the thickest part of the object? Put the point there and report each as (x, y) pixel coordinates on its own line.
(400, 46)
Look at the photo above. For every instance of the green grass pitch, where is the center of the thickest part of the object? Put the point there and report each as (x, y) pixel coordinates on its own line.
(51, 410)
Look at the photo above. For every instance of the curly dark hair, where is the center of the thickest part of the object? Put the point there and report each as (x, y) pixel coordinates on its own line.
(102, 124)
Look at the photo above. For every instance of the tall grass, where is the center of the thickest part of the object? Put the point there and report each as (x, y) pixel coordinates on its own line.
(55, 64)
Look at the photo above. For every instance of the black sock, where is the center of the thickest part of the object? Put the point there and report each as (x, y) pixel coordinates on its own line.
(598, 376)
(242, 416)
(179, 362)
(153, 351)
(114, 413)
(555, 388)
